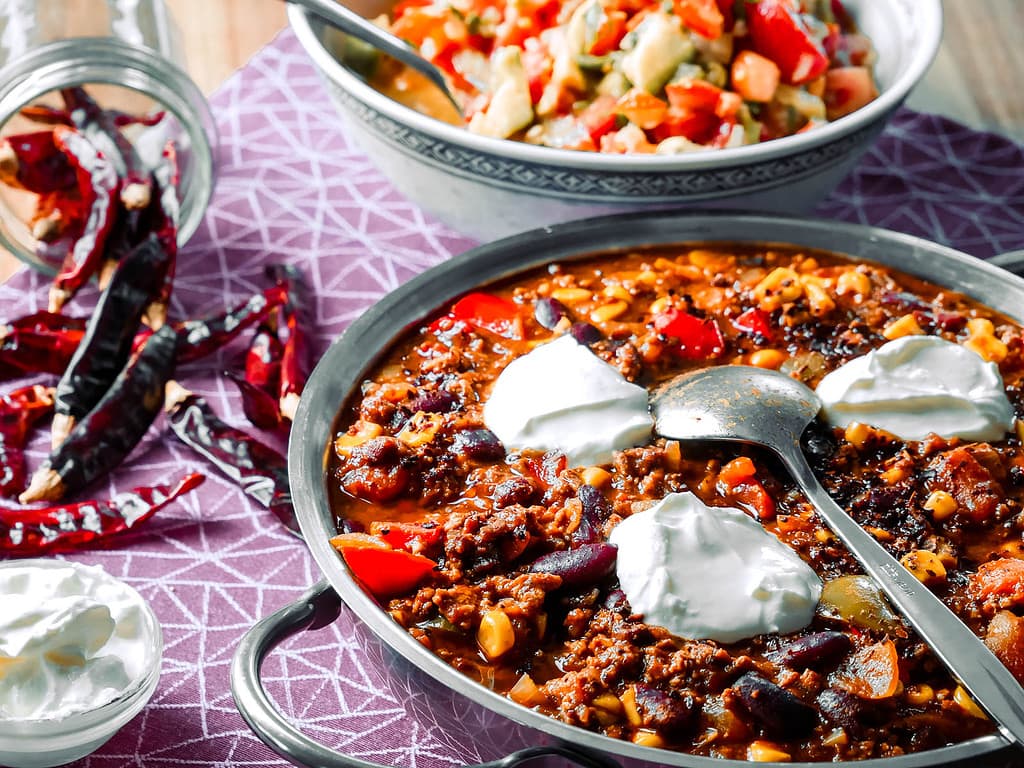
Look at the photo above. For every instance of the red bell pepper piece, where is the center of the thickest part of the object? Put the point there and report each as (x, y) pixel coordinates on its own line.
(697, 337)
(698, 127)
(782, 34)
(487, 312)
(387, 572)
(600, 117)
(754, 321)
(411, 537)
(738, 480)
(702, 16)
(694, 95)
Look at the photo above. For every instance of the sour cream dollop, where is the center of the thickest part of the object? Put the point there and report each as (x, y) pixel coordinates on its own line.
(917, 385)
(711, 572)
(562, 397)
(72, 638)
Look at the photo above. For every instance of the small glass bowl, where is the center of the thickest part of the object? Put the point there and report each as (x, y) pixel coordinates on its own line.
(43, 742)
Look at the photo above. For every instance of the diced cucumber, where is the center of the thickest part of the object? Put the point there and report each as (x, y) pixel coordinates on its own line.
(661, 47)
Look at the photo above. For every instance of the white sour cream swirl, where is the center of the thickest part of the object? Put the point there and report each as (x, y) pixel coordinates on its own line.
(71, 639)
(917, 385)
(562, 397)
(711, 572)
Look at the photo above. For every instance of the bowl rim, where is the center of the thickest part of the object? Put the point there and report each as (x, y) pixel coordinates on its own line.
(928, 34)
(369, 338)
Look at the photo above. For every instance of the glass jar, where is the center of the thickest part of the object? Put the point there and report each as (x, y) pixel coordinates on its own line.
(127, 56)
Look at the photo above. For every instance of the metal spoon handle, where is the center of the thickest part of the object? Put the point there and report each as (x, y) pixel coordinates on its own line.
(350, 22)
(989, 682)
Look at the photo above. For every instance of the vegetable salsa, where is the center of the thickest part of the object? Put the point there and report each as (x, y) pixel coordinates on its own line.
(643, 76)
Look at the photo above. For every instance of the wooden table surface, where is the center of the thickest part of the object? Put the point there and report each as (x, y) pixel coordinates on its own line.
(975, 78)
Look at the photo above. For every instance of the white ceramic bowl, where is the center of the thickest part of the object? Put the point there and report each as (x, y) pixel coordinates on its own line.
(489, 187)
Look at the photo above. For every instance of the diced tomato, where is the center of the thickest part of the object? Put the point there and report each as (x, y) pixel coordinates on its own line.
(537, 64)
(609, 33)
(387, 572)
(548, 468)
(697, 338)
(417, 24)
(487, 312)
(412, 537)
(848, 89)
(736, 472)
(698, 127)
(600, 117)
(642, 108)
(404, 5)
(693, 94)
(728, 106)
(1001, 579)
(755, 321)
(702, 16)
(525, 19)
(755, 77)
(738, 480)
(783, 35)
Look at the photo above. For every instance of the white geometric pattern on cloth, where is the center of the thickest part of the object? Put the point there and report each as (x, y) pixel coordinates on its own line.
(291, 187)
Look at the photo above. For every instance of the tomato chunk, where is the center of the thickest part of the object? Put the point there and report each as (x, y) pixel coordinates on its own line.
(1001, 581)
(783, 35)
(754, 321)
(387, 572)
(755, 77)
(697, 338)
(702, 16)
(487, 312)
(847, 89)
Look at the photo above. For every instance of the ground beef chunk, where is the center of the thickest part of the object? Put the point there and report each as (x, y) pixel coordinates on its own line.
(959, 473)
(621, 355)
(479, 543)
(642, 469)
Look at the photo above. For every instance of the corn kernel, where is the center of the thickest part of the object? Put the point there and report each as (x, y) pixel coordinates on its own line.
(571, 295)
(647, 277)
(895, 474)
(768, 358)
(596, 476)
(904, 326)
(495, 635)
(941, 504)
(966, 703)
(857, 434)
(808, 265)
(609, 702)
(364, 430)
(1018, 427)
(983, 340)
(919, 695)
(824, 535)
(766, 752)
(685, 271)
(609, 312)
(673, 455)
(712, 260)
(853, 282)
(818, 300)
(628, 700)
(648, 739)
(421, 428)
(659, 305)
(617, 291)
(925, 566)
(526, 692)
(779, 286)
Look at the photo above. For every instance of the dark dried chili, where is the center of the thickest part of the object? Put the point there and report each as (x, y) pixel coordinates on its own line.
(259, 470)
(295, 362)
(99, 126)
(109, 431)
(259, 406)
(19, 410)
(161, 218)
(108, 338)
(34, 162)
(98, 184)
(203, 337)
(25, 532)
(259, 386)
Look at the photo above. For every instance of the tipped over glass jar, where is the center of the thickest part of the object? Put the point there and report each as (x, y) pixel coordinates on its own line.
(113, 70)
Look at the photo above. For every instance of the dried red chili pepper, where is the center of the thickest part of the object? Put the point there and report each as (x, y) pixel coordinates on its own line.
(99, 126)
(19, 410)
(49, 321)
(259, 470)
(109, 431)
(98, 184)
(107, 343)
(262, 375)
(295, 361)
(41, 113)
(203, 337)
(59, 215)
(161, 218)
(36, 350)
(259, 406)
(25, 532)
(34, 162)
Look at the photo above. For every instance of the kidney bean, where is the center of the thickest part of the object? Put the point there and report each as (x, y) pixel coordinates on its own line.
(438, 401)
(674, 716)
(515, 490)
(595, 509)
(585, 333)
(815, 650)
(580, 567)
(549, 312)
(782, 714)
(617, 601)
(843, 709)
(479, 444)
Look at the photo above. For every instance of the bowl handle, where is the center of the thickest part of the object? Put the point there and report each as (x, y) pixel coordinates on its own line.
(316, 609)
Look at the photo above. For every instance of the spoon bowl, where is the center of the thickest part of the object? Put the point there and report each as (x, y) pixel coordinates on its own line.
(767, 408)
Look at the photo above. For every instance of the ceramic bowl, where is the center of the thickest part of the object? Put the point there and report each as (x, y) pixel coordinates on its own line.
(488, 188)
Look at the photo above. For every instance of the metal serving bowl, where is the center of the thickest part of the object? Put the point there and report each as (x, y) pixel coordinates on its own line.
(488, 187)
(351, 358)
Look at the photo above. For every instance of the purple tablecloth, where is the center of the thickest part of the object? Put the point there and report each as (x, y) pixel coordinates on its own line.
(292, 187)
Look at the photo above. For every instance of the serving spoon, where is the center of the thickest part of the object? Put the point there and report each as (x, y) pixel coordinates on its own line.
(762, 407)
(351, 23)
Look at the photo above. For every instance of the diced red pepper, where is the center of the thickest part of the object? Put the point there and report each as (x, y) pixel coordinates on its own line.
(699, 127)
(755, 77)
(728, 11)
(487, 312)
(694, 95)
(387, 572)
(600, 117)
(755, 321)
(848, 89)
(702, 16)
(526, 19)
(698, 338)
(609, 33)
(782, 34)
(537, 64)
(1002, 579)
(738, 480)
(642, 108)
(411, 537)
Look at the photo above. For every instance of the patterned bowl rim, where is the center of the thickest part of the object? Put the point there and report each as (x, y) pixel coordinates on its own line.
(927, 15)
(364, 344)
